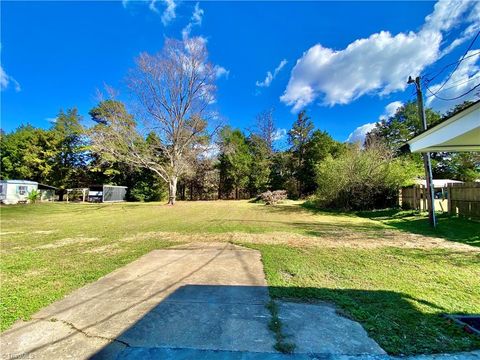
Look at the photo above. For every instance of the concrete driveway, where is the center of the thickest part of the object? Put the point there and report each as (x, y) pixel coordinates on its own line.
(180, 303)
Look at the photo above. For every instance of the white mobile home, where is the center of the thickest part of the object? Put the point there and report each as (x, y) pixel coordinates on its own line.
(16, 191)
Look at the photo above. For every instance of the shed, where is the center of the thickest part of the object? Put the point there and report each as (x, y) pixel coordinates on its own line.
(107, 193)
(16, 191)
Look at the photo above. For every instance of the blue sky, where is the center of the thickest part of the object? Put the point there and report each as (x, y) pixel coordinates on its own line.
(346, 63)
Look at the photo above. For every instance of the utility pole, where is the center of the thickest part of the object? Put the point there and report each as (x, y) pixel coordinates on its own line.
(426, 156)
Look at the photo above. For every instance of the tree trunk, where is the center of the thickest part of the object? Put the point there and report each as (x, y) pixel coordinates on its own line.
(172, 190)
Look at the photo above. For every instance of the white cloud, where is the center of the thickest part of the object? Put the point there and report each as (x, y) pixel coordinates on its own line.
(6, 80)
(195, 20)
(169, 13)
(269, 78)
(209, 151)
(358, 135)
(463, 79)
(279, 134)
(377, 65)
(390, 110)
(220, 71)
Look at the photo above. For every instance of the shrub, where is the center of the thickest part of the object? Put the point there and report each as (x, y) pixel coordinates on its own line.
(273, 197)
(33, 196)
(363, 179)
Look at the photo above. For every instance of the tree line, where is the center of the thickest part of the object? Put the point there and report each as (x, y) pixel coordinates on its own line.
(171, 147)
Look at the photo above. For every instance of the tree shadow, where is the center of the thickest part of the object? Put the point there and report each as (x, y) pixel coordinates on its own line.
(231, 318)
(451, 228)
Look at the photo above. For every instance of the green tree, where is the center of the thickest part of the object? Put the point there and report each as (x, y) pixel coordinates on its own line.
(260, 152)
(70, 161)
(363, 179)
(234, 162)
(298, 137)
(28, 153)
(317, 149)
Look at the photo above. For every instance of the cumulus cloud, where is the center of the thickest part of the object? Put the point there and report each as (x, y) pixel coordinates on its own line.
(195, 20)
(390, 110)
(462, 80)
(279, 134)
(270, 77)
(377, 65)
(358, 135)
(6, 80)
(220, 71)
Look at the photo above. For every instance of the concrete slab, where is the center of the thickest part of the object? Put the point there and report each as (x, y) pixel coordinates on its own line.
(318, 328)
(209, 297)
(198, 301)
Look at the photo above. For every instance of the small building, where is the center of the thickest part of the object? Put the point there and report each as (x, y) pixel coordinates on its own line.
(17, 191)
(107, 193)
(97, 193)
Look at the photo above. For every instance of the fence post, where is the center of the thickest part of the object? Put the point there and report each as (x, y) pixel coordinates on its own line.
(449, 198)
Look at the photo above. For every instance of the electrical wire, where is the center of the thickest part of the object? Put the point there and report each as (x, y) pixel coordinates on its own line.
(454, 98)
(457, 83)
(448, 65)
(458, 64)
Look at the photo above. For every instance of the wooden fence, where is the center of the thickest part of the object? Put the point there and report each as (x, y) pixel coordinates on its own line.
(464, 200)
(456, 199)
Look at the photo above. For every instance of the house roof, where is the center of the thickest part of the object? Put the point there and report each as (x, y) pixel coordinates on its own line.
(22, 182)
(457, 132)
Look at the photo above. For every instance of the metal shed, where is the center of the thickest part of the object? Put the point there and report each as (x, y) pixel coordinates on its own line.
(107, 193)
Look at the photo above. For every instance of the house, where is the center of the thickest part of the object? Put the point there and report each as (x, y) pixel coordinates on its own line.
(16, 191)
(458, 132)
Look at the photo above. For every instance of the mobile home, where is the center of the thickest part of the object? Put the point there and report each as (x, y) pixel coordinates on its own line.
(16, 191)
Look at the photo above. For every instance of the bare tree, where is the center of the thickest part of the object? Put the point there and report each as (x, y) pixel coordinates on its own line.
(265, 127)
(174, 89)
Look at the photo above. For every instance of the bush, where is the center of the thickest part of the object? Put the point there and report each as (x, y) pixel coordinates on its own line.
(363, 179)
(147, 191)
(273, 197)
(33, 196)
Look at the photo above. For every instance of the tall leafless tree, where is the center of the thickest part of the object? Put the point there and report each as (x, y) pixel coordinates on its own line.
(174, 89)
(265, 127)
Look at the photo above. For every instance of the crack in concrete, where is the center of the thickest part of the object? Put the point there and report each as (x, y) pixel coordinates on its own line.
(84, 333)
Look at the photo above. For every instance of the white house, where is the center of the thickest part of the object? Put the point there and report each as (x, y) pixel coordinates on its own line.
(459, 132)
(16, 191)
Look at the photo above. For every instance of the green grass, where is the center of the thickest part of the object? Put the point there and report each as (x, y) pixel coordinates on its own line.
(397, 294)
(358, 262)
(450, 228)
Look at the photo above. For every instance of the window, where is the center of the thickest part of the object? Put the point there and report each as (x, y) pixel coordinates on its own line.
(22, 190)
(1, 188)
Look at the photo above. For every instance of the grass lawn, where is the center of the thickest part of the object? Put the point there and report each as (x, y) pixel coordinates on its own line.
(383, 269)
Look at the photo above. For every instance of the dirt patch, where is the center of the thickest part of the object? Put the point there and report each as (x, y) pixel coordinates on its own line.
(44, 232)
(67, 242)
(111, 249)
(337, 239)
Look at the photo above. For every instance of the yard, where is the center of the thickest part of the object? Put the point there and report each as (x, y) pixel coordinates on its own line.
(387, 270)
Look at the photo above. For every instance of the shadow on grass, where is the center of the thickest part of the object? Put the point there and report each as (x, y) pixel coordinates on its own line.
(450, 228)
(391, 318)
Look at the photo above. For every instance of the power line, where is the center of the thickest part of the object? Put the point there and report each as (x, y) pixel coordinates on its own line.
(448, 65)
(454, 98)
(459, 62)
(457, 83)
